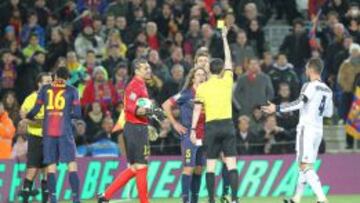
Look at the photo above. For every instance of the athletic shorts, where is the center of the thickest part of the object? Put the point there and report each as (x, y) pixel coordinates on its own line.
(308, 141)
(136, 143)
(193, 155)
(220, 137)
(34, 154)
(59, 149)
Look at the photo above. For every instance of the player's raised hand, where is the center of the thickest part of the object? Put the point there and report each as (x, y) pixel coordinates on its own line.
(224, 31)
(269, 109)
(179, 128)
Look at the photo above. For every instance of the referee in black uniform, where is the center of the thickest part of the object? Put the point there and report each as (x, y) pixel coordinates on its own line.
(215, 96)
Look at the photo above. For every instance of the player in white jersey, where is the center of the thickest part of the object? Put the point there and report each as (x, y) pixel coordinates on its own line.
(315, 102)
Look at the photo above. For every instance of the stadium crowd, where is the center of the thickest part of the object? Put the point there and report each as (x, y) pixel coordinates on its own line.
(97, 40)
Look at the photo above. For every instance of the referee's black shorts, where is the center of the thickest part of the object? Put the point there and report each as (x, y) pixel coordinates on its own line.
(35, 156)
(136, 143)
(220, 137)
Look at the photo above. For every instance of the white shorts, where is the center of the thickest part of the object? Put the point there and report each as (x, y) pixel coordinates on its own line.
(308, 140)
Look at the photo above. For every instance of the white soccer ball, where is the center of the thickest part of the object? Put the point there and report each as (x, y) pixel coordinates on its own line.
(144, 103)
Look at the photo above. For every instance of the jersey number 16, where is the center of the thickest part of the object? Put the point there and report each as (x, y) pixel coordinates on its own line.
(55, 101)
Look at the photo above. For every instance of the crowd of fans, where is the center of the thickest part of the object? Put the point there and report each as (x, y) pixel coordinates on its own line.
(97, 40)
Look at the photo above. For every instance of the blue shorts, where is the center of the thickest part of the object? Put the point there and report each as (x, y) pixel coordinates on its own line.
(59, 149)
(193, 155)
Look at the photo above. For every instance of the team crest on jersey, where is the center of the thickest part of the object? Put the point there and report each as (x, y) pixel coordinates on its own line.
(132, 96)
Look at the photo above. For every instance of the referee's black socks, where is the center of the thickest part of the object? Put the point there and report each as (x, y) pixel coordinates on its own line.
(44, 191)
(210, 183)
(234, 183)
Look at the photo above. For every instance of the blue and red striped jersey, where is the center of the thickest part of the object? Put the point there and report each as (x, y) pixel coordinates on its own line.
(61, 103)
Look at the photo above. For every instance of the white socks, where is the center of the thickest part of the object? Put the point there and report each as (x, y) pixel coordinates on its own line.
(300, 187)
(313, 180)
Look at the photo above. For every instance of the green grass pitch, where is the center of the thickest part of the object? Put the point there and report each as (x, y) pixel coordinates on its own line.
(332, 199)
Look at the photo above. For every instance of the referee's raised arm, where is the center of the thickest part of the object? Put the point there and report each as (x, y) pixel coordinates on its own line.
(228, 60)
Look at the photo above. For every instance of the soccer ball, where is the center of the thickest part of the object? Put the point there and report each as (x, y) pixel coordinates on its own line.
(144, 103)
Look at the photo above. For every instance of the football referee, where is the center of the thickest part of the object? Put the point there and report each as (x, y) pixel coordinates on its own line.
(35, 147)
(215, 96)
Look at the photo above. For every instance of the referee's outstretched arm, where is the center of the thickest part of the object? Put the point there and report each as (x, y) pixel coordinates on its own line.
(228, 60)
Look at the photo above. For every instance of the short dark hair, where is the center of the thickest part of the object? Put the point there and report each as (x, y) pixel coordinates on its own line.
(62, 73)
(137, 62)
(298, 21)
(216, 66)
(90, 51)
(39, 78)
(316, 64)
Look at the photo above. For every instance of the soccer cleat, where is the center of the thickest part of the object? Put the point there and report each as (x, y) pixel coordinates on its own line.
(288, 201)
(225, 199)
(102, 199)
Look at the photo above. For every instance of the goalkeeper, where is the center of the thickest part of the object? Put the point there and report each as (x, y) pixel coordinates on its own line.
(192, 150)
(136, 108)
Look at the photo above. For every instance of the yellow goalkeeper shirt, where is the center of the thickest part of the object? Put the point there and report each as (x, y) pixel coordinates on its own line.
(34, 128)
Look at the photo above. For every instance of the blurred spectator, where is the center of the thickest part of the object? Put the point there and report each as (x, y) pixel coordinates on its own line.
(283, 71)
(288, 120)
(354, 30)
(250, 12)
(177, 57)
(256, 120)
(57, 47)
(173, 86)
(152, 11)
(153, 38)
(267, 62)
(240, 50)
(99, 89)
(115, 43)
(297, 48)
(348, 72)
(246, 141)
(158, 67)
(163, 20)
(20, 147)
(12, 106)
(332, 50)
(339, 6)
(80, 130)
(104, 146)
(326, 34)
(90, 62)
(8, 72)
(32, 28)
(233, 28)
(8, 8)
(289, 8)
(9, 37)
(352, 13)
(193, 38)
(27, 74)
(121, 25)
(98, 6)
(275, 138)
(117, 8)
(113, 60)
(77, 71)
(69, 13)
(87, 40)
(138, 24)
(253, 81)
(93, 120)
(32, 47)
(120, 80)
(7, 131)
(256, 37)
(42, 12)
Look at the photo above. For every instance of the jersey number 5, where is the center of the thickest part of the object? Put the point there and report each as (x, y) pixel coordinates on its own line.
(322, 105)
(56, 101)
